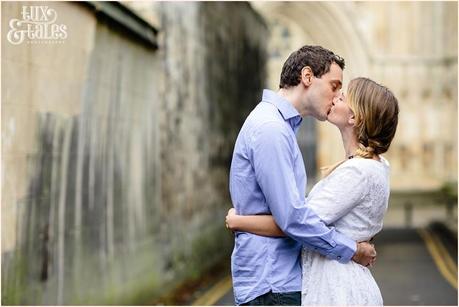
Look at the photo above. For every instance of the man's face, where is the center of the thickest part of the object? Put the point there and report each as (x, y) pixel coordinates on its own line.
(324, 90)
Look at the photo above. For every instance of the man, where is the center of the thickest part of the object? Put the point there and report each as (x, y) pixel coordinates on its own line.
(268, 177)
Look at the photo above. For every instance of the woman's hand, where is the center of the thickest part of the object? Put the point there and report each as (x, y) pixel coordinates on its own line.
(230, 216)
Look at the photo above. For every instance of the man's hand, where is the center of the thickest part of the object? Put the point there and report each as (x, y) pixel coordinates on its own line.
(365, 254)
(229, 218)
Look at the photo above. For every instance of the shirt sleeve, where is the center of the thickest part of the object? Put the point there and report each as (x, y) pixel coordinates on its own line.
(343, 190)
(273, 162)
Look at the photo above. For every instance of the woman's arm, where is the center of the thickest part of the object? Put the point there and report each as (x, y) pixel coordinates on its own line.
(262, 225)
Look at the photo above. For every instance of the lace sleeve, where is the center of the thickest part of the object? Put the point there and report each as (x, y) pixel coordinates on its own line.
(341, 191)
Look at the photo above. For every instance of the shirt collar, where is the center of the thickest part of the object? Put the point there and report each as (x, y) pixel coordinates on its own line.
(286, 109)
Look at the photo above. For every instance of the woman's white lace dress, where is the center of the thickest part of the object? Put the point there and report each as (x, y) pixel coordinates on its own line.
(354, 199)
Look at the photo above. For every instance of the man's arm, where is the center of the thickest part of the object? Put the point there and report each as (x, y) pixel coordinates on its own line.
(265, 225)
(273, 156)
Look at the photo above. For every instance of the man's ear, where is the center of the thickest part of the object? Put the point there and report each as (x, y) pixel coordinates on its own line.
(307, 75)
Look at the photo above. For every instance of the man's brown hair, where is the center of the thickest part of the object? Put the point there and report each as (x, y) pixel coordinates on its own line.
(316, 57)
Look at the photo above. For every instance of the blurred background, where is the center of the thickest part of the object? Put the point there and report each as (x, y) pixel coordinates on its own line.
(119, 120)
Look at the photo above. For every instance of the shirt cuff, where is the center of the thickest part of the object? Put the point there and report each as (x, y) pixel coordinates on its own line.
(344, 250)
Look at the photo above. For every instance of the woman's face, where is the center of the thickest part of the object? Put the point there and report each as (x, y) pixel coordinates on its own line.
(341, 114)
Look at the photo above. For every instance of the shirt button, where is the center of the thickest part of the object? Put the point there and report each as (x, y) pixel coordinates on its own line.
(339, 257)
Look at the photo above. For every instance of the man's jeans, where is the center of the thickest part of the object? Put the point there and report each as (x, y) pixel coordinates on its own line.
(276, 299)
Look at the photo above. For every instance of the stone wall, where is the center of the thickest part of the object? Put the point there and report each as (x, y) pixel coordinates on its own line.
(213, 57)
(417, 59)
(115, 156)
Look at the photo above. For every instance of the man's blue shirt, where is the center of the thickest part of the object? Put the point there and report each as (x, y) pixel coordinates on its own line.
(268, 176)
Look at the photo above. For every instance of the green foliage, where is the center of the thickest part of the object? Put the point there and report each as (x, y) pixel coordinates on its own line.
(448, 192)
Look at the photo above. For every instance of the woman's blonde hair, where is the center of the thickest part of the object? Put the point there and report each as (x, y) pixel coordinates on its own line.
(376, 117)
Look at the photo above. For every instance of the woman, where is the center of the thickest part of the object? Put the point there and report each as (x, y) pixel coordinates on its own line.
(353, 197)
